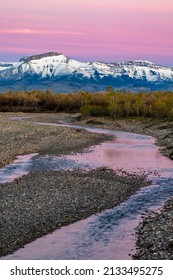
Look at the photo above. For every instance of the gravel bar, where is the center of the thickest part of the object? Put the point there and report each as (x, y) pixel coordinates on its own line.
(155, 235)
(39, 203)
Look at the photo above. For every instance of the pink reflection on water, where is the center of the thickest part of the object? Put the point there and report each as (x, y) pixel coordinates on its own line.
(73, 242)
(128, 154)
(17, 168)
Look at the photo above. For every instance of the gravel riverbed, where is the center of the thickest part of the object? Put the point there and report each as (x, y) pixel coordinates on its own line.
(40, 202)
(155, 233)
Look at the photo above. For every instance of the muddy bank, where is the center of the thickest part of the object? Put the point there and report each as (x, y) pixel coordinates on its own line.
(38, 203)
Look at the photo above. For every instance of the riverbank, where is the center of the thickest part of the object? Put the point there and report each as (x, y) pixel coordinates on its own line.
(155, 235)
(39, 203)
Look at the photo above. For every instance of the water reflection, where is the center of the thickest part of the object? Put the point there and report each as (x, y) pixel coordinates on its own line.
(37, 163)
(110, 234)
(18, 168)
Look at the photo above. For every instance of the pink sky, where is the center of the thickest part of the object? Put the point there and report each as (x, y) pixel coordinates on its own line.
(107, 30)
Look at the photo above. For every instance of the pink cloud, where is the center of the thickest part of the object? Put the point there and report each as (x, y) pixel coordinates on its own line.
(31, 31)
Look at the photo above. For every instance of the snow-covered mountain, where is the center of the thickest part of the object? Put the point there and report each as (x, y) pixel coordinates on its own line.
(57, 72)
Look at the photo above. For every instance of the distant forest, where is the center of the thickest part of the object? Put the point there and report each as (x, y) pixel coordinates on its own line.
(110, 103)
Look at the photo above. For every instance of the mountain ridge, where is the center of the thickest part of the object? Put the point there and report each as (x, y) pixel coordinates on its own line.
(57, 72)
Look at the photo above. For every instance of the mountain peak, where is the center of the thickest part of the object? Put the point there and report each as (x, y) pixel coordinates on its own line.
(38, 56)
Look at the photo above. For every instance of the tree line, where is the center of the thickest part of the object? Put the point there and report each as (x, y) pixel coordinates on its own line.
(115, 104)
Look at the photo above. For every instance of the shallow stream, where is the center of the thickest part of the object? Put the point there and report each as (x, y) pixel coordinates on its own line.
(110, 234)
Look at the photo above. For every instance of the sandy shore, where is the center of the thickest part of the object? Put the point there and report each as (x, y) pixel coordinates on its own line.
(29, 196)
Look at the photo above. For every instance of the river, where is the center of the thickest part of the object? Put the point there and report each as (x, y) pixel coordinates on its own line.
(110, 234)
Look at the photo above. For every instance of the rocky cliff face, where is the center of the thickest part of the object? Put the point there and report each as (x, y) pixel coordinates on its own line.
(38, 56)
